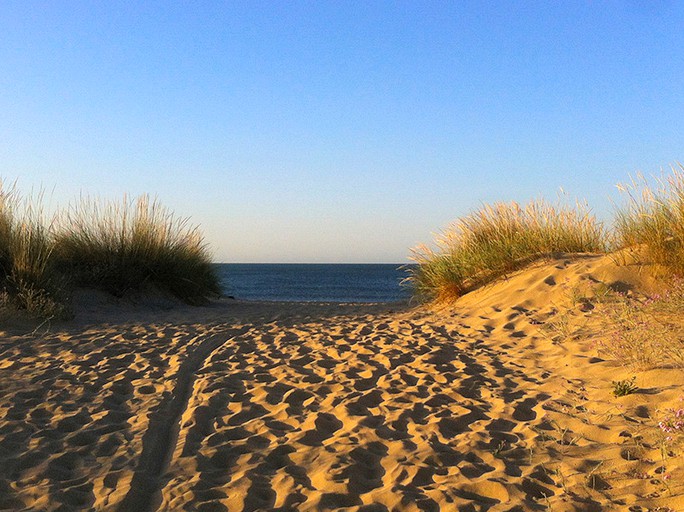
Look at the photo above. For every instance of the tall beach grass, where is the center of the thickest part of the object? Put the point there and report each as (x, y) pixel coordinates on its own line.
(498, 239)
(27, 279)
(131, 244)
(652, 219)
(114, 246)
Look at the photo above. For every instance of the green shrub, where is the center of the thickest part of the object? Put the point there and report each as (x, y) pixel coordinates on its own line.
(499, 239)
(128, 245)
(625, 387)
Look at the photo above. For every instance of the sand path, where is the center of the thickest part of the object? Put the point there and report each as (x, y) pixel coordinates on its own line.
(162, 433)
(247, 407)
(363, 410)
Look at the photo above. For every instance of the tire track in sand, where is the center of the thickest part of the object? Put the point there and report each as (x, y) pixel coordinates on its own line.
(161, 436)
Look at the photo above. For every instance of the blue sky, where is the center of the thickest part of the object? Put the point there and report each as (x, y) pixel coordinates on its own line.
(337, 131)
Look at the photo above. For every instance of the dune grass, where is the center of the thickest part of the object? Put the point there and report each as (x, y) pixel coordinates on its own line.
(27, 279)
(130, 245)
(116, 247)
(652, 219)
(499, 239)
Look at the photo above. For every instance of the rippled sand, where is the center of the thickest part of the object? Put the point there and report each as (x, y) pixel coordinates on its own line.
(248, 406)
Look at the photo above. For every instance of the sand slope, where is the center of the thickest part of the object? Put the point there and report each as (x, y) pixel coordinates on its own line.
(243, 407)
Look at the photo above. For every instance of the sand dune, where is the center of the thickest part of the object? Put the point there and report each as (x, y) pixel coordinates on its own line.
(247, 406)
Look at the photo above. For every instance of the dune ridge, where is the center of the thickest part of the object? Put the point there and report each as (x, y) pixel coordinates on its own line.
(248, 406)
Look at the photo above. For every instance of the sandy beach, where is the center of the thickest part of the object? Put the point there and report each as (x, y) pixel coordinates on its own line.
(375, 256)
(274, 406)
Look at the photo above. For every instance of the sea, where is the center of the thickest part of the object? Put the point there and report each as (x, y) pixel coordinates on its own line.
(315, 282)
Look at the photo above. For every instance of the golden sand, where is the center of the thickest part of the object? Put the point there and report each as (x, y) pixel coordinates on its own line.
(248, 406)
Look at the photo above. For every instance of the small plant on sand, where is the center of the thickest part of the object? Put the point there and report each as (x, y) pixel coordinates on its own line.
(624, 387)
(499, 239)
(499, 448)
(644, 333)
(129, 245)
(558, 327)
(672, 426)
(595, 479)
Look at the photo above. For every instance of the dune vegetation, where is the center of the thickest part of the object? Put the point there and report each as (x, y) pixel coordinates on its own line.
(644, 333)
(652, 220)
(501, 238)
(117, 247)
(126, 245)
(27, 280)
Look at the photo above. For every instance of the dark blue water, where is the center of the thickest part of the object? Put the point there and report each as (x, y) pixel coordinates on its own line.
(314, 282)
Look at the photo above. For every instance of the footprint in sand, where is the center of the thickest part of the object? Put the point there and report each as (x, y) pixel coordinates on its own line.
(326, 425)
(523, 410)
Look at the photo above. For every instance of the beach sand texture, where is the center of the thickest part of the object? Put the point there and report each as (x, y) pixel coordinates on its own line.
(248, 406)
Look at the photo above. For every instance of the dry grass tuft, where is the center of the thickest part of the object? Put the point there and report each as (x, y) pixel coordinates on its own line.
(127, 245)
(499, 239)
(116, 247)
(653, 219)
(27, 279)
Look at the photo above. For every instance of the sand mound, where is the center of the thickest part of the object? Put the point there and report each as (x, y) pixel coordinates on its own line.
(248, 406)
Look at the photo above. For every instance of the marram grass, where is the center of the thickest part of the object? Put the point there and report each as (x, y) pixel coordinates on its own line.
(498, 239)
(128, 245)
(27, 279)
(652, 219)
(117, 247)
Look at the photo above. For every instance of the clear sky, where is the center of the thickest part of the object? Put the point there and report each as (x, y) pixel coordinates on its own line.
(337, 131)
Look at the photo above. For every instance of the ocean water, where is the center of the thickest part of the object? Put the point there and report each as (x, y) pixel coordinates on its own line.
(314, 282)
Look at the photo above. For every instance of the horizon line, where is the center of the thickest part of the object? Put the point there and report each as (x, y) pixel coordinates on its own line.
(309, 263)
